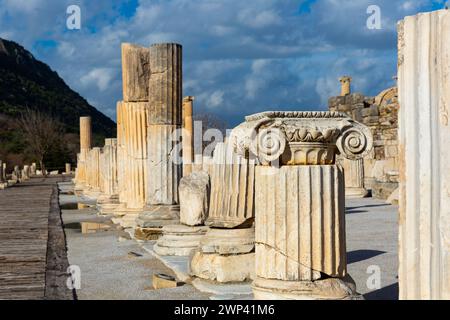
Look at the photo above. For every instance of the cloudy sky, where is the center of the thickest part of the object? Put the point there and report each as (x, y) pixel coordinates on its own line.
(240, 57)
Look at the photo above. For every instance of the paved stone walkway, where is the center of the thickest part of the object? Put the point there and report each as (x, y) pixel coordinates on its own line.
(25, 209)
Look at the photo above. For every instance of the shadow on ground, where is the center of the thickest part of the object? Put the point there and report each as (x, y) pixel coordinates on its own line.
(360, 255)
(387, 293)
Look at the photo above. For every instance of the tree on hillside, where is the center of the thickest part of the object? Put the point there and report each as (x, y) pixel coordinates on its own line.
(42, 132)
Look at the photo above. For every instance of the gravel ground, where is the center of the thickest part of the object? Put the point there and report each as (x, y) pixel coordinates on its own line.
(372, 234)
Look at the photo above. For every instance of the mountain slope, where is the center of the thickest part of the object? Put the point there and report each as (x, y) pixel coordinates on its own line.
(26, 82)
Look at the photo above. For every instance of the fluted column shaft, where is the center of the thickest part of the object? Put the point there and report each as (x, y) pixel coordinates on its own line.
(300, 225)
(424, 137)
(165, 94)
(232, 188)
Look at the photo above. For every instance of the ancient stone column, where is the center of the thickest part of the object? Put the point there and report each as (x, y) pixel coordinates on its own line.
(3, 182)
(85, 146)
(33, 169)
(354, 178)
(93, 173)
(299, 201)
(164, 122)
(226, 252)
(4, 171)
(108, 202)
(345, 85)
(26, 172)
(68, 168)
(134, 159)
(232, 189)
(424, 139)
(188, 136)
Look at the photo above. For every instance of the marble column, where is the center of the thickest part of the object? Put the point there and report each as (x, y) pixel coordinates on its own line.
(424, 137)
(299, 201)
(93, 173)
(164, 123)
(354, 178)
(33, 169)
(188, 136)
(85, 146)
(226, 251)
(3, 182)
(68, 168)
(108, 202)
(134, 158)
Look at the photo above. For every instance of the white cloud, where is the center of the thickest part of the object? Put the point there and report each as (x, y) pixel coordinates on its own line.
(100, 77)
(216, 99)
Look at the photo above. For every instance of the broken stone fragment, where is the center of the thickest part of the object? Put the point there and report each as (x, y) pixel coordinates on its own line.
(194, 192)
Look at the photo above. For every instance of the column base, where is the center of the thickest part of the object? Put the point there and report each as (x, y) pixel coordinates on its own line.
(179, 240)
(223, 268)
(157, 216)
(324, 289)
(356, 193)
(225, 255)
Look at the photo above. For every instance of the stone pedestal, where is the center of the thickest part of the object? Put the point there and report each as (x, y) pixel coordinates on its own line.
(225, 255)
(226, 252)
(424, 139)
(179, 240)
(299, 201)
(68, 168)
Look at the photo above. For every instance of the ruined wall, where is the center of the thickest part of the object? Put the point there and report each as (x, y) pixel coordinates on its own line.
(380, 114)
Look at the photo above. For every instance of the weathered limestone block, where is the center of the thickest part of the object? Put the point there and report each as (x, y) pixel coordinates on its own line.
(326, 289)
(135, 72)
(165, 84)
(232, 189)
(228, 241)
(194, 193)
(300, 222)
(424, 139)
(179, 240)
(223, 268)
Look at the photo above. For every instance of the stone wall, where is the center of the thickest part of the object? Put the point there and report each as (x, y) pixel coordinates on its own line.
(380, 114)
